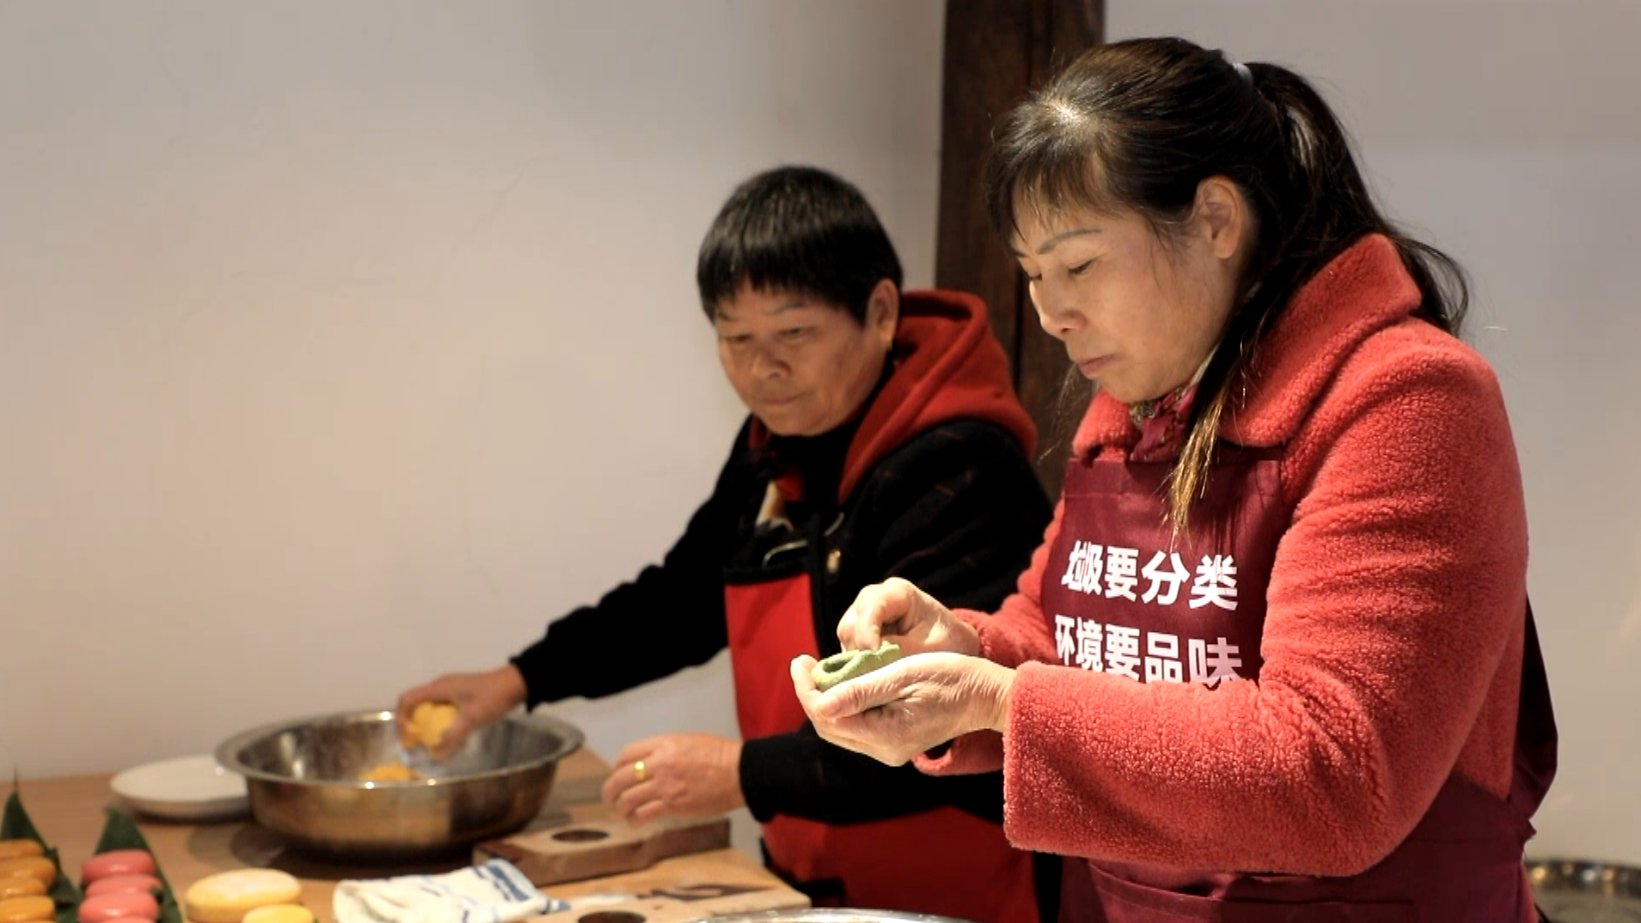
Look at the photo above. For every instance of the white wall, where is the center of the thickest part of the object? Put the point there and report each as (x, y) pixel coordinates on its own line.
(1509, 133)
(342, 344)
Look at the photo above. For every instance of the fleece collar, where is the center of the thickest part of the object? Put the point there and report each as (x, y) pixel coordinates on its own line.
(946, 365)
(1358, 293)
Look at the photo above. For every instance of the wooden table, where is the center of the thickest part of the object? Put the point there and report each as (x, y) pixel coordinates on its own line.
(68, 810)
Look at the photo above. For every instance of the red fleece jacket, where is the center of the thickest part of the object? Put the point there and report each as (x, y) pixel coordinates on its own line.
(1393, 635)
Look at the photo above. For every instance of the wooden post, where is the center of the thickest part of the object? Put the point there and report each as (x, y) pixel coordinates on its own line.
(995, 52)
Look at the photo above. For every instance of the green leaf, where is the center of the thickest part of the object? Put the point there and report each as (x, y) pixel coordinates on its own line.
(16, 825)
(121, 832)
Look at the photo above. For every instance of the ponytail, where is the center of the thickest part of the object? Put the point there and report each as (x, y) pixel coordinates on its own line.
(1140, 124)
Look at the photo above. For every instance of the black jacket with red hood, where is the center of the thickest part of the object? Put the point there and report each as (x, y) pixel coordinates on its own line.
(932, 482)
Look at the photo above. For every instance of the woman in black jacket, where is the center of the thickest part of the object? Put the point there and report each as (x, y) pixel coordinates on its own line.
(883, 440)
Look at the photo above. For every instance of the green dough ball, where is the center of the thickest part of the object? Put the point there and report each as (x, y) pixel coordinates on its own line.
(850, 664)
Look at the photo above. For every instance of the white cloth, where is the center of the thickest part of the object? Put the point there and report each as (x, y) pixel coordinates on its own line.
(495, 892)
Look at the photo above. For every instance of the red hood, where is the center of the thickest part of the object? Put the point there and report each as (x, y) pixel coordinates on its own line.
(947, 366)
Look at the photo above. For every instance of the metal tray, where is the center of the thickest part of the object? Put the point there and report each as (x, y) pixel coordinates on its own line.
(1578, 891)
(831, 915)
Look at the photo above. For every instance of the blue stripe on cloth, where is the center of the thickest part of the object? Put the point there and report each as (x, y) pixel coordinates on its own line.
(502, 876)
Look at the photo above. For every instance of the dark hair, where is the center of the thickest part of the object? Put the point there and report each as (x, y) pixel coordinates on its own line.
(1137, 125)
(800, 229)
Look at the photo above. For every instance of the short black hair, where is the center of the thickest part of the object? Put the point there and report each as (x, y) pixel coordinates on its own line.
(798, 229)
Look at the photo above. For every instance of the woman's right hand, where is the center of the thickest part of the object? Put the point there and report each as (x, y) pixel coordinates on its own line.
(480, 698)
(912, 618)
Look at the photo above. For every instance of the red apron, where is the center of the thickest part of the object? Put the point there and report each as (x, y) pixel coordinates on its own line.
(943, 861)
(1123, 599)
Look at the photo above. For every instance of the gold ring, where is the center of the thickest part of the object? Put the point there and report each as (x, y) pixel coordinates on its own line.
(639, 772)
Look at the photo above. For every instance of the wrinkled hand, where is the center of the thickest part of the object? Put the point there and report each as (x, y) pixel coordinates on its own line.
(916, 620)
(480, 698)
(685, 775)
(908, 707)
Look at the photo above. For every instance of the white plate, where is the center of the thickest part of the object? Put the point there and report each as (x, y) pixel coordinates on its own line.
(185, 788)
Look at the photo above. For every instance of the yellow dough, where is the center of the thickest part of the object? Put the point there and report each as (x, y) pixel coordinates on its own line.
(279, 913)
(428, 722)
(227, 897)
(389, 772)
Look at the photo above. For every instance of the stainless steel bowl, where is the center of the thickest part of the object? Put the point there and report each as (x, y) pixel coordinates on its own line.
(1581, 891)
(304, 781)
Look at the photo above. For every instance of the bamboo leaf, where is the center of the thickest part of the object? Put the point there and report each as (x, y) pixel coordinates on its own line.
(121, 832)
(15, 824)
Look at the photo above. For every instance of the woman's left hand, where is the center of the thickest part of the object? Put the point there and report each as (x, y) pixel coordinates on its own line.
(675, 775)
(908, 707)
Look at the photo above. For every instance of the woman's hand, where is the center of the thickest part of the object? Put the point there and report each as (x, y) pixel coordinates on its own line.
(914, 619)
(480, 698)
(675, 775)
(908, 707)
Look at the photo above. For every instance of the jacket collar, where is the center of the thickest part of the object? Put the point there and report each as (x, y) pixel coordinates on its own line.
(1359, 292)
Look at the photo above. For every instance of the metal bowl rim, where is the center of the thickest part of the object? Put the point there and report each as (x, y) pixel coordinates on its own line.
(570, 737)
(831, 915)
(1570, 876)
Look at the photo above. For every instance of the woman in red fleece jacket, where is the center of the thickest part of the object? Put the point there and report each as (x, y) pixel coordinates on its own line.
(1274, 659)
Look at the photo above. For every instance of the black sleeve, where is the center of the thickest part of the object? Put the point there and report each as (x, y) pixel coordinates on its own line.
(961, 511)
(957, 511)
(668, 618)
(804, 776)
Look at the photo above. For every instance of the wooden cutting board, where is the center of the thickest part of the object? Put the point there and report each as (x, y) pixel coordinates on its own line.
(570, 848)
(682, 889)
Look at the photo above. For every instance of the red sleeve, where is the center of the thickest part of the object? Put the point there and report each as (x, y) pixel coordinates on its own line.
(1397, 593)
